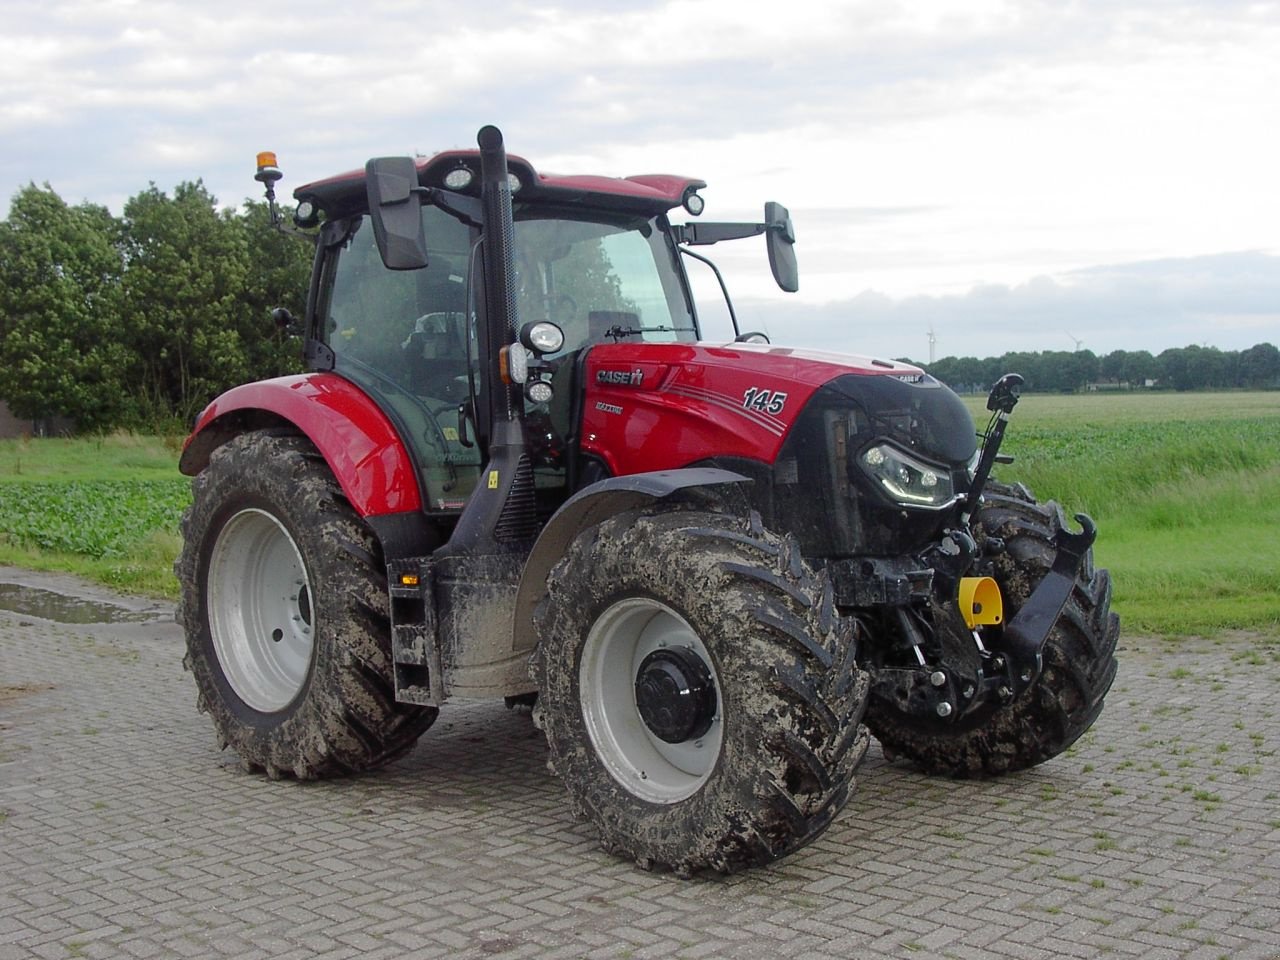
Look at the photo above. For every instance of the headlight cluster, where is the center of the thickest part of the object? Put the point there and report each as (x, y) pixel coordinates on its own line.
(522, 362)
(906, 480)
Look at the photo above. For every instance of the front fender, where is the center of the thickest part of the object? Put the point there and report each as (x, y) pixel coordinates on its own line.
(587, 507)
(351, 432)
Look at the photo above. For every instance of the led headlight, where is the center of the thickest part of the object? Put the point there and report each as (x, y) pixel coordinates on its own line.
(906, 480)
(459, 178)
(542, 336)
(306, 214)
(539, 391)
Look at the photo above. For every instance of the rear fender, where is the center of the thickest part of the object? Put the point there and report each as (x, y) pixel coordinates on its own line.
(351, 432)
(596, 503)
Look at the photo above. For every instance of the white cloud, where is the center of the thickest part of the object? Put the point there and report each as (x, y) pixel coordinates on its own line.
(925, 148)
(1231, 301)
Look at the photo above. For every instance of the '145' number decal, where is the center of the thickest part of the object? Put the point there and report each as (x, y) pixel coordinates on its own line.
(766, 401)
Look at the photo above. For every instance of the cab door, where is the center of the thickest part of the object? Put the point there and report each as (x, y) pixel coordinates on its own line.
(403, 337)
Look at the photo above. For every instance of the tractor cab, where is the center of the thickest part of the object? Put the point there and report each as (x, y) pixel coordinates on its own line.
(597, 257)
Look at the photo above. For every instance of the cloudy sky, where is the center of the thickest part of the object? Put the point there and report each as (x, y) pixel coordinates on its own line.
(1014, 175)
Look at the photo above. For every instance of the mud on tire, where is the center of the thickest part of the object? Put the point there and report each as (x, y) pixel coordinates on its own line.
(789, 695)
(1079, 658)
(284, 604)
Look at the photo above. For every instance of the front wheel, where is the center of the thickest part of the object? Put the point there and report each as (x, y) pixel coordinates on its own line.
(1079, 659)
(285, 607)
(699, 693)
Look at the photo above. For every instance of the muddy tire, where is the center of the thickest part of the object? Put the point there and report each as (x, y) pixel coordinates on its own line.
(1079, 658)
(284, 604)
(699, 693)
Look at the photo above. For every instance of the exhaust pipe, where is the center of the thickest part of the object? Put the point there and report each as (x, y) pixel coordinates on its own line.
(499, 265)
(500, 516)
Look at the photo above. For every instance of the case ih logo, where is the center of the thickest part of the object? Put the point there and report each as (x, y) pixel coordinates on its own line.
(621, 378)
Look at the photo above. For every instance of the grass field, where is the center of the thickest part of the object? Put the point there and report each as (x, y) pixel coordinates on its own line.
(1185, 489)
(1186, 492)
(106, 508)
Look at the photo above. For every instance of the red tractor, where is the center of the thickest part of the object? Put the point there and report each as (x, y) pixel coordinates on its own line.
(515, 469)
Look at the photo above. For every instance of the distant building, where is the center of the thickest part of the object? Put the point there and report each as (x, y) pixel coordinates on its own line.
(1110, 385)
(11, 427)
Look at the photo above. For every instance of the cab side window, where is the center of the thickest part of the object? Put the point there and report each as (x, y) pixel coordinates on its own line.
(407, 325)
(402, 335)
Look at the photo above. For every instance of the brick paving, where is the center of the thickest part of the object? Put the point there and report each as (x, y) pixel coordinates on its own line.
(125, 833)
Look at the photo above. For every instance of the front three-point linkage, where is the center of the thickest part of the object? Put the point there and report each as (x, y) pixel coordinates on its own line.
(1010, 653)
(1015, 659)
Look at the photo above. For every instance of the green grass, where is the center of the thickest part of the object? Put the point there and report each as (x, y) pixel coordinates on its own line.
(105, 508)
(1185, 489)
(117, 456)
(1186, 492)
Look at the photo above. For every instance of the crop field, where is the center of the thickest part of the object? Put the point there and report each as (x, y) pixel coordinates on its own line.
(106, 508)
(1185, 489)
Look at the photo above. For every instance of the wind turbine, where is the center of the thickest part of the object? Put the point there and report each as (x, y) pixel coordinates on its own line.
(933, 342)
(1079, 342)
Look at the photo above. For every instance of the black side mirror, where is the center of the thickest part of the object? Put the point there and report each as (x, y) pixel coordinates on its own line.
(780, 237)
(395, 206)
(283, 318)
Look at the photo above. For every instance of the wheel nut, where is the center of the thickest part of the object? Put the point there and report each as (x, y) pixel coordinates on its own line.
(938, 678)
(944, 709)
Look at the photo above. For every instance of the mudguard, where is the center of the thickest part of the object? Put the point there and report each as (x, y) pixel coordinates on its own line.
(355, 437)
(589, 506)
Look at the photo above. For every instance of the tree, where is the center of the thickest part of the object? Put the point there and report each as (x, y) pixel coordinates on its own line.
(1260, 366)
(1172, 365)
(60, 349)
(1197, 368)
(181, 300)
(1028, 365)
(279, 271)
(1140, 366)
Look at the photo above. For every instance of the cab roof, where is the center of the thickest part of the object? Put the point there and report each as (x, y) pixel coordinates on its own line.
(648, 194)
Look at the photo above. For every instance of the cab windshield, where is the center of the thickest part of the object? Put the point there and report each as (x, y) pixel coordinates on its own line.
(599, 280)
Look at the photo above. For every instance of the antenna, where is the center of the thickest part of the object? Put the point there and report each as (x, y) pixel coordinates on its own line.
(933, 342)
(1079, 342)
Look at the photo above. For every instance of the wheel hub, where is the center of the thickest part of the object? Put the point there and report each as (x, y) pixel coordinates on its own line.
(260, 610)
(636, 649)
(675, 694)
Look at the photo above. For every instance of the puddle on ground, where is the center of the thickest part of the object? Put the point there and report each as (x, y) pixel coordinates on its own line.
(47, 605)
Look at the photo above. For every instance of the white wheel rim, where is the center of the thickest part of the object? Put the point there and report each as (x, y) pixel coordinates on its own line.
(260, 613)
(648, 767)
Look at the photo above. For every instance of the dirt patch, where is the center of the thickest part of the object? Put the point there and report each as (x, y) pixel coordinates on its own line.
(16, 691)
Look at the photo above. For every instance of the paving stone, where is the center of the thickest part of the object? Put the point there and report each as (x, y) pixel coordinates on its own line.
(124, 832)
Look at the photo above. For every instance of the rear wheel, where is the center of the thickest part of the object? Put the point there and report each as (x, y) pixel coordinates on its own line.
(699, 694)
(1079, 658)
(284, 603)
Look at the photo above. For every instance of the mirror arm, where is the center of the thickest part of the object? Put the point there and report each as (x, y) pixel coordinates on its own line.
(467, 209)
(702, 234)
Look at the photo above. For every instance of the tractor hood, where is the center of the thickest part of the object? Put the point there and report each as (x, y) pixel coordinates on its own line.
(652, 406)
